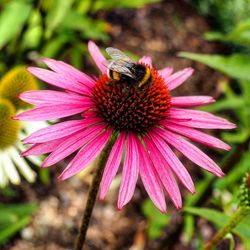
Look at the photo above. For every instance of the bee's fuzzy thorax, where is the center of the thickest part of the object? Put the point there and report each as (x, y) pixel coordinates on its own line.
(130, 107)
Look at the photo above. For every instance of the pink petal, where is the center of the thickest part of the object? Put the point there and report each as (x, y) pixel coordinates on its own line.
(150, 179)
(52, 97)
(71, 144)
(51, 112)
(146, 60)
(189, 101)
(86, 155)
(198, 119)
(166, 72)
(178, 78)
(69, 71)
(198, 136)
(97, 56)
(173, 162)
(43, 148)
(130, 171)
(164, 172)
(60, 81)
(190, 151)
(112, 165)
(60, 130)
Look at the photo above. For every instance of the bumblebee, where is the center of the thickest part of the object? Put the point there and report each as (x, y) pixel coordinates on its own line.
(122, 69)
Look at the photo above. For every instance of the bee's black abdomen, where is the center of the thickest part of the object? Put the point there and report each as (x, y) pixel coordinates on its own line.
(142, 75)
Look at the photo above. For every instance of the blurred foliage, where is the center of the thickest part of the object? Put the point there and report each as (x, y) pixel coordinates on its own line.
(220, 219)
(13, 218)
(224, 14)
(53, 28)
(235, 65)
(156, 220)
(240, 34)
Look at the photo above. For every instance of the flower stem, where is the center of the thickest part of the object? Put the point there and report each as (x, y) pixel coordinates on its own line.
(93, 193)
(234, 221)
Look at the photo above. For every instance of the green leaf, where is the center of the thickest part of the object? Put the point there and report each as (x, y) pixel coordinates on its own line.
(188, 227)
(56, 15)
(229, 103)
(104, 4)
(33, 34)
(241, 135)
(200, 189)
(44, 175)
(10, 230)
(18, 209)
(13, 218)
(239, 35)
(89, 28)
(236, 173)
(219, 219)
(231, 240)
(157, 220)
(12, 19)
(52, 48)
(236, 65)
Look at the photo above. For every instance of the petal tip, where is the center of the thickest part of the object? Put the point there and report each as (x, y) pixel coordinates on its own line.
(61, 178)
(163, 210)
(16, 117)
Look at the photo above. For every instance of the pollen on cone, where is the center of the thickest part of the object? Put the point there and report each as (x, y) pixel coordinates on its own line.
(16, 81)
(8, 128)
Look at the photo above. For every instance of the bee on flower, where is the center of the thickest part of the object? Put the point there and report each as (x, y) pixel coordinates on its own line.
(131, 102)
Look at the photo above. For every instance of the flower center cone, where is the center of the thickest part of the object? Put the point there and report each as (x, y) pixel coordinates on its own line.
(125, 106)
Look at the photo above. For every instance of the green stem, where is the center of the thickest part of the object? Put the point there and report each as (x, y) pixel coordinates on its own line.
(234, 221)
(93, 193)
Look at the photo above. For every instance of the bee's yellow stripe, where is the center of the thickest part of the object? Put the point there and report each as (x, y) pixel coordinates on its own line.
(146, 77)
(116, 76)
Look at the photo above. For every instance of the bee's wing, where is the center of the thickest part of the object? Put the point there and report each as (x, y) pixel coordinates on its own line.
(121, 67)
(116, 54)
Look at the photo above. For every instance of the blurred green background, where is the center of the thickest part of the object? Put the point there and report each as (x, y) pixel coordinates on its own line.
(214, 33)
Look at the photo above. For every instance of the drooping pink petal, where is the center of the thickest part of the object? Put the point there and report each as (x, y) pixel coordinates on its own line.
(51, 112)
(52, 97)
(146, 60)
(112, 165)
(130, 171)
(173, 162)
(164, 173)
(191, 101)
(60, 81)
(43, 148)
(198, 119)
(150, 179)
(86, 155)
(198, 136)
(178, 78)
(72, 143)
(60, 130)
(68, 70)
(97, 56)
(190, 151)
(166, 72)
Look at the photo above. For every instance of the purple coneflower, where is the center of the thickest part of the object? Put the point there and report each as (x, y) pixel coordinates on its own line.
(148, 121)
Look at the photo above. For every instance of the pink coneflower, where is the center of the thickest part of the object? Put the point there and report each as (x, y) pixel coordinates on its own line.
(149, 123)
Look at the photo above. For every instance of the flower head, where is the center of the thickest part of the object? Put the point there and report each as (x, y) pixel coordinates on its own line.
(149, 121)
(11, 164)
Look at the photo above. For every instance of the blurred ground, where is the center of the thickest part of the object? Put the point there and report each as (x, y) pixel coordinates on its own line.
(160, 30)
